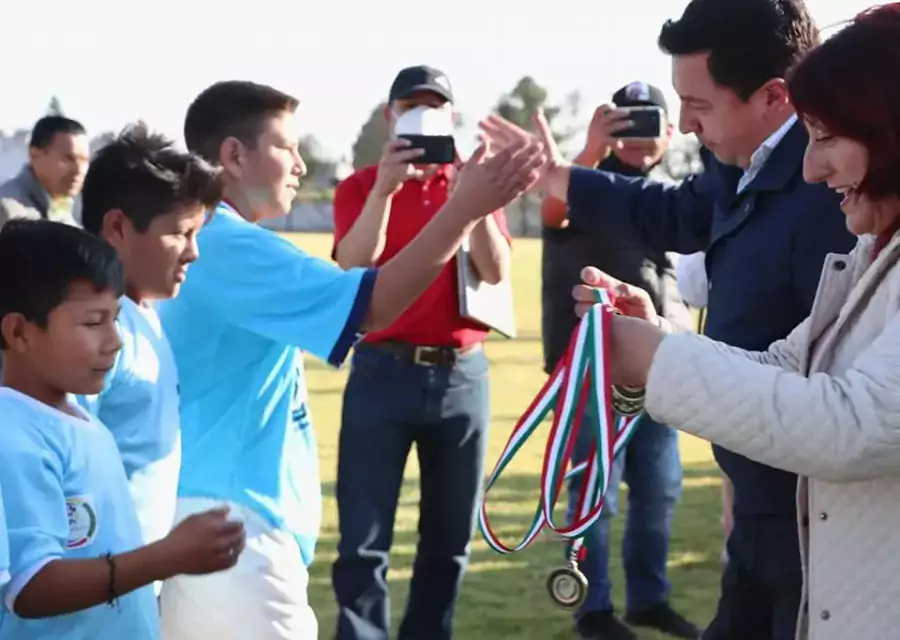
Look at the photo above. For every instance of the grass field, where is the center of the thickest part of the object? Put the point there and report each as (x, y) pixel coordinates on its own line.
(504, 597)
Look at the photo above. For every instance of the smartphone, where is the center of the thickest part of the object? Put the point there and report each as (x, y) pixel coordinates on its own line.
(429, 129)
(648, 123)
(437, 149)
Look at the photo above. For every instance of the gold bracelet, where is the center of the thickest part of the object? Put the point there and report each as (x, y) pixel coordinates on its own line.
(628, 401)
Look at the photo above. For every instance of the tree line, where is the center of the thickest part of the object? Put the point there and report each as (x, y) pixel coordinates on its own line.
(518, 106)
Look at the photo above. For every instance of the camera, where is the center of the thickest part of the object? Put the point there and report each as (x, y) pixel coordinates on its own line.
(648, 123)
(429, 129)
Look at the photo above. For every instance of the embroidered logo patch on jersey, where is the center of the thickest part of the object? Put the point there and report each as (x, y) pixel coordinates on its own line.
(82, 521)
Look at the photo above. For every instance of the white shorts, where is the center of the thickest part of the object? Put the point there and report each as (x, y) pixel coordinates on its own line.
(263, 597)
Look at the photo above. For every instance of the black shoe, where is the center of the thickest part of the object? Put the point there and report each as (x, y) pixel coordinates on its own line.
(663, 618)
(603, 625)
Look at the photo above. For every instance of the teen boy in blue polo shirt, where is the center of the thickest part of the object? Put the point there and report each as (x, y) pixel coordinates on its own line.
(253, 301)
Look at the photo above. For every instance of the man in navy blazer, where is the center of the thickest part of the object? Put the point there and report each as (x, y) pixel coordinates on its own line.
(765, 233)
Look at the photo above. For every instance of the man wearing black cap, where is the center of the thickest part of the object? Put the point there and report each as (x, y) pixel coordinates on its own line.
(422, 381)
(650, 465)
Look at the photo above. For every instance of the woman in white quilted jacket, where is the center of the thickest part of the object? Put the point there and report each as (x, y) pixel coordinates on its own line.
(824, 402)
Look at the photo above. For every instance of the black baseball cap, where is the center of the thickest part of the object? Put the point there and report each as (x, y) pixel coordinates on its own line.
(640, 94)
(421, 78)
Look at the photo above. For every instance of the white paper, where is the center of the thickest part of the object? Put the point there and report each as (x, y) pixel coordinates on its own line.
(488, 304)
(425, 121)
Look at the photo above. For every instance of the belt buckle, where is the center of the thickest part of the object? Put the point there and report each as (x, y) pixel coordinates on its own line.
(419, 356)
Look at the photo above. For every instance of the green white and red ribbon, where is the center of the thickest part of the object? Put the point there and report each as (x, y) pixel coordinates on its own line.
(580, 381)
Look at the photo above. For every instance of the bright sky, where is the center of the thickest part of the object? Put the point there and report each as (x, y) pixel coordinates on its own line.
(110, 64)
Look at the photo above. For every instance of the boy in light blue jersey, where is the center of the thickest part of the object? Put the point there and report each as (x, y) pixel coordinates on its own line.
(4, 551)
(253, 301)
(4, 556)
(148, 199)
(78, 568)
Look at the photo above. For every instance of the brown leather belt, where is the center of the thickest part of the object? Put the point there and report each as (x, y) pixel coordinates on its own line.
(420, 354)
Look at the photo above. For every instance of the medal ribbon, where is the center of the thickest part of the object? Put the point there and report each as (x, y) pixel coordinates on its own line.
(579, 382)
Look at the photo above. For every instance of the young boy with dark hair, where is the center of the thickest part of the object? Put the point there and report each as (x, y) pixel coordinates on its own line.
(77, 565)
(237, 329)
(148, 199)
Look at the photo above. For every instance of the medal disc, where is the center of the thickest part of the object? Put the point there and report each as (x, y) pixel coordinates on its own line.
(567, 587)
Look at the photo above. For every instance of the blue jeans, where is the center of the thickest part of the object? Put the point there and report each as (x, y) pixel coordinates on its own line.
(651, 466)
(389, 404)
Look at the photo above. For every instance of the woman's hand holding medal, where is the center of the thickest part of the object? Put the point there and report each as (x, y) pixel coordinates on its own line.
(635, 332)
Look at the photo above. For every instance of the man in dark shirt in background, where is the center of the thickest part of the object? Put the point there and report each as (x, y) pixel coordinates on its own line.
(651, 464)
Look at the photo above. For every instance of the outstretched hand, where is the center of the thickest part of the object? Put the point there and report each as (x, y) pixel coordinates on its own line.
(491, 180)
(501, 133)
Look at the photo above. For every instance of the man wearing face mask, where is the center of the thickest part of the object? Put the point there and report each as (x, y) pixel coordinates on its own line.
(651, 465)
(423, 380)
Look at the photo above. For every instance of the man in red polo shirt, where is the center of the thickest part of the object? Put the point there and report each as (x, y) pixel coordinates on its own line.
(424, 380)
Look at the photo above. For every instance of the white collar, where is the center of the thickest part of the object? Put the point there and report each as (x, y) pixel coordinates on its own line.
(761, 155)
(765, 149)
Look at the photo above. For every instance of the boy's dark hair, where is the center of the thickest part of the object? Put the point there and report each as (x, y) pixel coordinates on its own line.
(44, 129)
(144, 175)
(233, 108)
(749, 41)
(41, 259)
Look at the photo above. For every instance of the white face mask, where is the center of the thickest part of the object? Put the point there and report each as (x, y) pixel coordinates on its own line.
(425, 121)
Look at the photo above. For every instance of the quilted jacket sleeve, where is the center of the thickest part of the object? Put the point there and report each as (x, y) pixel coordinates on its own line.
(833, 428)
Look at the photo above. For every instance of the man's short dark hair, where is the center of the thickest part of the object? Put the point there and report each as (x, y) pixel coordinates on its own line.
(233, 108)
(41, 259)
(749, 41)
(145, 175)
(47, 127)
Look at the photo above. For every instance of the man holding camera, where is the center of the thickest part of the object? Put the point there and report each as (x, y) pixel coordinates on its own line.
(651, 464)
(424, 380)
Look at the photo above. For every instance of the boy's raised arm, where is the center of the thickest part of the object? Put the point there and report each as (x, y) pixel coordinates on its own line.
(263, 283)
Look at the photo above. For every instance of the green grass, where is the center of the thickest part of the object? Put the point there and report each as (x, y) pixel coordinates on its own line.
(504, 597)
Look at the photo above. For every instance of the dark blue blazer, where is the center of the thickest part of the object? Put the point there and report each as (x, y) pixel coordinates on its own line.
(764, 254)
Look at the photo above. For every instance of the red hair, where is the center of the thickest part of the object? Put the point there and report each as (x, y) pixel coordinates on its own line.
(850, 86)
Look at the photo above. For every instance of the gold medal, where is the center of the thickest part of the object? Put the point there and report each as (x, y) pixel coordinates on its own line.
(567, 586)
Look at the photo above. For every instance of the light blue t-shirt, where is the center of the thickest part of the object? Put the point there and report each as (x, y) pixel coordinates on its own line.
(253, 301)
(4, 548)
(66, 497)
(139, 405)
